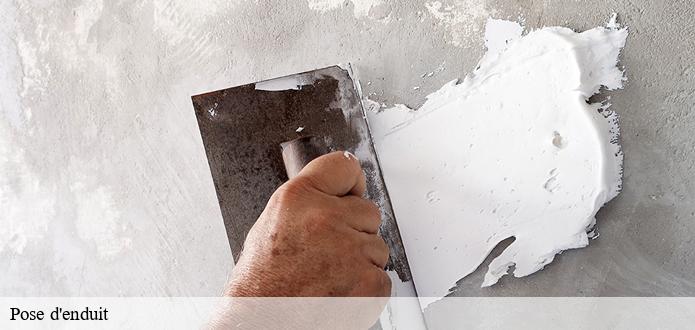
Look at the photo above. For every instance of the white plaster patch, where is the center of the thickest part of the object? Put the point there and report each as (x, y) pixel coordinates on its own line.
(86, 15)
(180, 23)
(35, 72)
(513, 150)
(82, 178)
(99, 221)
(324, 5)
(26, 206)
(499, 33)
(295, 82)
(463, 19)
(360, 7)
(10, 70)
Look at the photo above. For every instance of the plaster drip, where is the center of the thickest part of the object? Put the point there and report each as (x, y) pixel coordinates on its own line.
(514, 150)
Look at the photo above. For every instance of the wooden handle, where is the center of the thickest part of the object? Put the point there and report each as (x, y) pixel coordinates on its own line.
(299, 152)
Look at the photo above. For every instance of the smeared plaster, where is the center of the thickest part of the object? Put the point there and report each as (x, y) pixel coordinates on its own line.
(463, 19)
(360, 7)
(98, 220)
(513, 150)
(92, 185)
(10, 73)
(26, 203)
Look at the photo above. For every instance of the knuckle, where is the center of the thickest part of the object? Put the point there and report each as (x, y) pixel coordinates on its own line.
(296, 186)
(380, 252)
(284, 195)
(384, 248)
(289, 194)
(370, 207)
(371, 214)
(374, 211)
(307, 182)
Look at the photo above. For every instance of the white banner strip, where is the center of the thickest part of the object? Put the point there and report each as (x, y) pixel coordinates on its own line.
(304, 313)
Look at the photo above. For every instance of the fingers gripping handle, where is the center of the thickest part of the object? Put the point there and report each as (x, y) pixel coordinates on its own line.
(299, 152)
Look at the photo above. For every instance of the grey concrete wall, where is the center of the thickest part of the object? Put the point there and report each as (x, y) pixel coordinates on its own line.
(104, 184)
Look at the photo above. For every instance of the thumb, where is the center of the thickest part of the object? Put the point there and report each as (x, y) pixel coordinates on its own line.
(338, 174)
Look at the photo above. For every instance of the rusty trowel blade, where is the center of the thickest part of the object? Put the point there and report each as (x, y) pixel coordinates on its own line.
(243, 126)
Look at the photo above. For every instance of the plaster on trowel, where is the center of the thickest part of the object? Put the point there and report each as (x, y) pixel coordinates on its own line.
(242, 129)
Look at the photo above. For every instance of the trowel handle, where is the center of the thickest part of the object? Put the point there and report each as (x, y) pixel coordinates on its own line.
(299, 152)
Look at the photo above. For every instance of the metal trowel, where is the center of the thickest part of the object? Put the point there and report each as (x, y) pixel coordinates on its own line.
(309, 114)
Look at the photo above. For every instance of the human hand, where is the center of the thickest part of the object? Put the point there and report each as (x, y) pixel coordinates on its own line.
(317, 237)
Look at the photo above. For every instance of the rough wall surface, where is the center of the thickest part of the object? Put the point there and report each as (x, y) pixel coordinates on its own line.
(104, 185)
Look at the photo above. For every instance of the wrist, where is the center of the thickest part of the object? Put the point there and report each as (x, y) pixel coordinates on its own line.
(248, 282)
